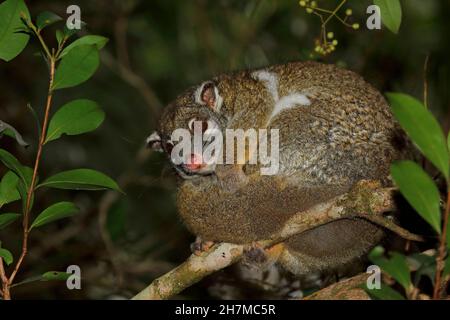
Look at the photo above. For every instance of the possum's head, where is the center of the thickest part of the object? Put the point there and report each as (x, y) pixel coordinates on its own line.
(188, 126)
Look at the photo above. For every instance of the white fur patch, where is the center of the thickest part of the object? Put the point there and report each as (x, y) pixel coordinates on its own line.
(288, 102)
(219, 100)
(198, 93)
(154, 141)
(270, 80)
(153, 137)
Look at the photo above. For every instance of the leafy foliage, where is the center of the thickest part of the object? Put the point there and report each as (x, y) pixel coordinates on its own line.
(77, 66)
(12, 163)
(422, 128)
(55, 275)
(391, 13)
(46, 19)
(420, 191)
(76, 117)
(80, 179)
(6, 255)
(68, 67)
(384, 293)
(424, 265)
(98, 41)
(12, 41)
(7, 218)
(9, 130)
(8, 188)
(54, 212)
(396, 266)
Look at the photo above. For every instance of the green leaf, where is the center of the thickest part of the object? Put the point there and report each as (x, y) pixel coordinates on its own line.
(7, 218)
(12, 132)
(70, 32)
(422, 128)
(59, 36)
(384, 293)
(396, 266)
(23, 186)
(27, 280)
(46, 18)
(8, 188)
(36, 118)
(55, 275)
(24, 173)
(76, 117)
(98, 41)
(391, 13)
(12, 42)
(420, 191)
(48, 276)
(6, 255)
(54, 212)
(80, 179)
(12, 163)
(424, 265)
(76, 67)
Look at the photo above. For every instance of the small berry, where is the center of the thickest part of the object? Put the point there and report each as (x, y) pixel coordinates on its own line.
(313, 4)
(309, 10)
(330, 35)
(302, 3)
(348, 12)
(335, 42)
(355, 26)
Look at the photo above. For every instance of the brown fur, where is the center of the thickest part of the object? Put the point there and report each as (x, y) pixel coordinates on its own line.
(346, 134)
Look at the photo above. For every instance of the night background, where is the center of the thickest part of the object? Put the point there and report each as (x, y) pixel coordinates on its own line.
(157, 49)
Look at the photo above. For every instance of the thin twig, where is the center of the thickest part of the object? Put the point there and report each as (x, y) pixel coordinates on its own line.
(335, 11)
(441, 253)
(191, 271)
(4, 279)
(30, 191)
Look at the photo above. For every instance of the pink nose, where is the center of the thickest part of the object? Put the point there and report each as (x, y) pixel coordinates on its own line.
(196, 162)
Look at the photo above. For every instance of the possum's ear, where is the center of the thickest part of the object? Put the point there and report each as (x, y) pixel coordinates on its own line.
(208, 94)
(154, 142)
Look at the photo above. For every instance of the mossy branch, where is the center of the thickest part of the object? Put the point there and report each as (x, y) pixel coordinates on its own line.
(367, 200)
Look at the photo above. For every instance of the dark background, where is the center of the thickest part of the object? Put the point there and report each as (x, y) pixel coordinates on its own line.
(158, 48)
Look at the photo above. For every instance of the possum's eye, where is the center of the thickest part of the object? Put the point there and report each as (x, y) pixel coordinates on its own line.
(202, 123)
(168, 146)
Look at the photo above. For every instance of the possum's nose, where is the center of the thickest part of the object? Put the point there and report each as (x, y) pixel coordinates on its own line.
(195, 162)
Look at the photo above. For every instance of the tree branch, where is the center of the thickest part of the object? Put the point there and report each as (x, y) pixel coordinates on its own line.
(366, 200)
(348, 289)
(439, 286)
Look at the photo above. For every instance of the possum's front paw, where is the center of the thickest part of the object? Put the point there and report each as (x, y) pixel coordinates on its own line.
(199, 246)
(262, 257)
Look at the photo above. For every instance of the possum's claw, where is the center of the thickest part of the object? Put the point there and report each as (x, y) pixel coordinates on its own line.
(199, 246)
